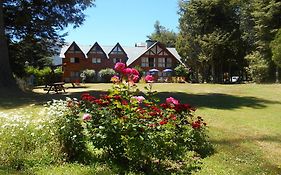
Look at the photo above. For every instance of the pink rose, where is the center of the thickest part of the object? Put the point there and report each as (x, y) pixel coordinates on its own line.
(87, 117)
(171, 100)
(135, 78)
(139, 98)
(149, 78)
(119, 67)
(135, 72)
(127, 71)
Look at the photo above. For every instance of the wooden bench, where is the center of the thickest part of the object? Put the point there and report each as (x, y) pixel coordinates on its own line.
(56, 87)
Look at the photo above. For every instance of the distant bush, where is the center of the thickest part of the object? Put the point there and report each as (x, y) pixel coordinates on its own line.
(106, 74)
(258, 67)
(39, 74)
(44, 76)
(182, 71)
(89, 75)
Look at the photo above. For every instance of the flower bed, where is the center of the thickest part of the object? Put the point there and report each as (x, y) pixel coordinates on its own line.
(135, 132)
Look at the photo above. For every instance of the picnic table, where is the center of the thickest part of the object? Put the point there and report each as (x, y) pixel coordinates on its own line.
(56, 87)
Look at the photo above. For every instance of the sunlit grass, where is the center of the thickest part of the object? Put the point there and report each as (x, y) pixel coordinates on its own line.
(244, 123)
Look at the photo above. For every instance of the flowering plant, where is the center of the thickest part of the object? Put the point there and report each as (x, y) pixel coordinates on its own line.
(138, 133)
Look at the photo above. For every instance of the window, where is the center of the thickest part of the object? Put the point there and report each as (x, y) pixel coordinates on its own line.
(117, 50)
(116, 60)
(74, 60)
(168, 62)
(151, 62)
(161, 62)
(144, 62)
(96, 60)
(74, 74)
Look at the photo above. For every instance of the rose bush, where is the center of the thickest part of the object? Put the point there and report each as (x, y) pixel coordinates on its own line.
(138, 134)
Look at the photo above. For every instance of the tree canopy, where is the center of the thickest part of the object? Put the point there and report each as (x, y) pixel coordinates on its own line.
(217, 35)
(163, 35)
(33, 27)
(276, 48)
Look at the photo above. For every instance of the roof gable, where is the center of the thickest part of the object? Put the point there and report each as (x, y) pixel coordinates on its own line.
(74, 48)
(117, 49)
(157, 49)
(96, 49)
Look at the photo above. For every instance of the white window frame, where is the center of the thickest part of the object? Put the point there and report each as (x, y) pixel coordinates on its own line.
(96, 60)
(144, 62)
(72, 60)
(161, 62)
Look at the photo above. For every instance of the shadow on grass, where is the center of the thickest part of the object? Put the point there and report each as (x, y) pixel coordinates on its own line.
(212, 100)
(218, 101)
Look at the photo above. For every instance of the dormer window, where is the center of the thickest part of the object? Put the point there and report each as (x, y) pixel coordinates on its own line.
(74, 60)
(117, 50)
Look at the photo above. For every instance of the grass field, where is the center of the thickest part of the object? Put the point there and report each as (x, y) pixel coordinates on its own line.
(244, 123)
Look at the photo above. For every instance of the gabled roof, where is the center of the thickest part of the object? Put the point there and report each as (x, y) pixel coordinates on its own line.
(174, 52)
(133, 53)
(76, 48)
(117, 46)
(97, 46)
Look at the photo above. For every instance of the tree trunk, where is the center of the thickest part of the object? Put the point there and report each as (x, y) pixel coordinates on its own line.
(6, 77)
(277, 74)
(213, 72)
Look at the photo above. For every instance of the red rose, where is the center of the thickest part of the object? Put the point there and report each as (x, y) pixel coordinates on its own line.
(163, 122)
(196, 124)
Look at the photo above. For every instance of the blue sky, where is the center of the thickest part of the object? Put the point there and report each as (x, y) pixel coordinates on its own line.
(124, 21)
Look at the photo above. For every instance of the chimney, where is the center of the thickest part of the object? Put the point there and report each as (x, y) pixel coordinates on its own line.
(149, 43)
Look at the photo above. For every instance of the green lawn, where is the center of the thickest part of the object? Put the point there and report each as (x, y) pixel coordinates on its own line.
(244, 123)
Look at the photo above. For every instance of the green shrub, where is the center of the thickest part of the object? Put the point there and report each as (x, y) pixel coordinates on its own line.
(41, 75)
(182, 71)
(106, 74)
(89, 75)
(44, 76)
(258, 67)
